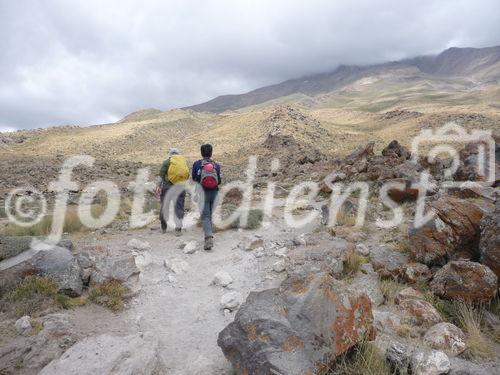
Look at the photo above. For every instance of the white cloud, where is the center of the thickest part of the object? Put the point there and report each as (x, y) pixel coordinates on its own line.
(91, 61)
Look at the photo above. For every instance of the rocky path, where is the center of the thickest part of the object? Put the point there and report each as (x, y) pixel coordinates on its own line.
(183, 310)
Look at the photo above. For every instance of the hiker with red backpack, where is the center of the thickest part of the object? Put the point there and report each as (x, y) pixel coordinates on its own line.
(207, 173)
(174, 173)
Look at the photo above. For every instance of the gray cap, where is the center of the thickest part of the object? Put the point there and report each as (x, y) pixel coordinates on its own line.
(173, 151)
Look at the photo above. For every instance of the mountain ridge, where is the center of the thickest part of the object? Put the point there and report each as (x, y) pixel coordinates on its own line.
(452, 62)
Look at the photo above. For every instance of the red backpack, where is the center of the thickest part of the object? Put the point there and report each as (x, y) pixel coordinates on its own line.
(209, 178)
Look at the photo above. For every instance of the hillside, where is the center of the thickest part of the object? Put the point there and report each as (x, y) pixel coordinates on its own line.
(480, 63)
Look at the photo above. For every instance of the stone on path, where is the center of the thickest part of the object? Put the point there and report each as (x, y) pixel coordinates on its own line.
(176, 265)
(231, 300)
(137, 244)
(222, 278)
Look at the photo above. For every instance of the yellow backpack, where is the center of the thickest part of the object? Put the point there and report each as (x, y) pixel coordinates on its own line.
(178, 170)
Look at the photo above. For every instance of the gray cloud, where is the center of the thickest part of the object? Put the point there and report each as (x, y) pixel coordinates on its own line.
(92, 61)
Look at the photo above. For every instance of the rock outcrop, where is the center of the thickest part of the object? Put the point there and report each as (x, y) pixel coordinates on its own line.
(55, 262)
(297, 328)
(453, 234)
(469, 281)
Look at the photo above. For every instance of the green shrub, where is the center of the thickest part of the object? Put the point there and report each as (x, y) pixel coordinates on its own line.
(37, 293)
(110, 294)
(33, 294)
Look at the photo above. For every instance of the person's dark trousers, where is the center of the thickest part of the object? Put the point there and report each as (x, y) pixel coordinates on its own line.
(172, 194)
(209, 202)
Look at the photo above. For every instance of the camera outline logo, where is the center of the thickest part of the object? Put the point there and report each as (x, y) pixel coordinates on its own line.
(450, 139)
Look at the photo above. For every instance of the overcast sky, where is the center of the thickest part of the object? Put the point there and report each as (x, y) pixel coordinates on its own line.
(94, 61)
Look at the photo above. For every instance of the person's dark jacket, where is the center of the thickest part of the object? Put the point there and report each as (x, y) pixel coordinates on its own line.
(196, 171)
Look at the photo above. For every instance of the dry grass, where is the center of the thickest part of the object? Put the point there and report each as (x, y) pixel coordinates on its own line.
(110, 294)
(353, 262)
(471, 320)
(404, 330)
(402, 246)
(344, 219)
(36, 326)
(390, 288)
(72, 224)
(364, 359)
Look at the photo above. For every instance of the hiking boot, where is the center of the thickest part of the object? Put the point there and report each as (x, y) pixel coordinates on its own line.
(209, 243)
(178, 232)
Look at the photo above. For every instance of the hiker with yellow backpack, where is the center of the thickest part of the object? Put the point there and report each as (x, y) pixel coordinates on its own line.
(174, 173)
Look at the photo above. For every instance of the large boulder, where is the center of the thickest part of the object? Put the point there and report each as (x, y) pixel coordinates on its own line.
(453, 234)
(465, 280)
(60, 265)
(489, 244)
(297, 328)
(106, 355)
(55, 262)
(120, 267)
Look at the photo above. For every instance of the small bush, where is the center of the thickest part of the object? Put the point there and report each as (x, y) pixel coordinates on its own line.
(32, 295)
(37, 293)
(110, 294)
